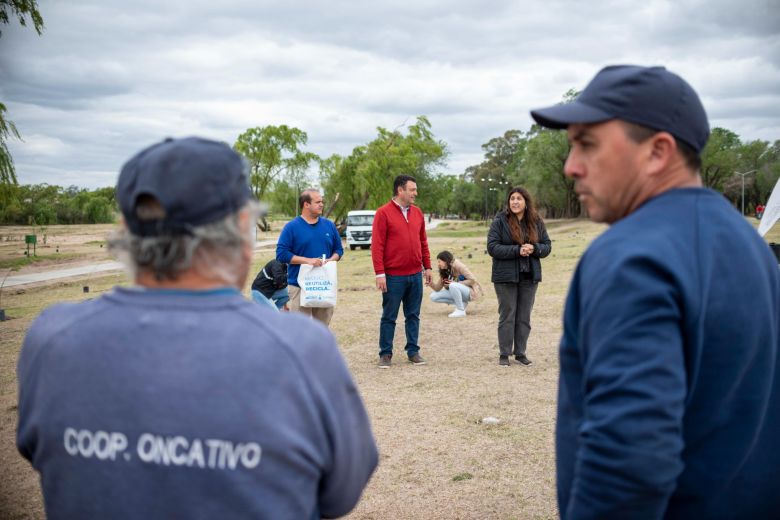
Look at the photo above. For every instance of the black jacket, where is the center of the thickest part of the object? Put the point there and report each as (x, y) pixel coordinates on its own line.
(271, 278)
(506, 252)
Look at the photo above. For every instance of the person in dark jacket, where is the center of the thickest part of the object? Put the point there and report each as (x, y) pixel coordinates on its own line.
(270, 285)
(517, 240)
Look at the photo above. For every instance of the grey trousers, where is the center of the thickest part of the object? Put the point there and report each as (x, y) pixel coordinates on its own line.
(515, 301)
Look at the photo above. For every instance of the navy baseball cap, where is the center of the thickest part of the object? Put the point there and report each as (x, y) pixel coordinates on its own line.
(196, 181)
(648, 96)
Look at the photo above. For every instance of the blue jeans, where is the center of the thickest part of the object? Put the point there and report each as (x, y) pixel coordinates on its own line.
(456, 294)
(409, 290)
(277, 301)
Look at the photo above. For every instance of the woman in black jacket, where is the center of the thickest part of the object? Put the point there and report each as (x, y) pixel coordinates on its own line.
(517, 240)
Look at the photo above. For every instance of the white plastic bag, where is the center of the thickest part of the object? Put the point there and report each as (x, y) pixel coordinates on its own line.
(319, 285)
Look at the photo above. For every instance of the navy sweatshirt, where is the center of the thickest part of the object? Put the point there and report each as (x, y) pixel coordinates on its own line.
(669, 395)
(176, 404)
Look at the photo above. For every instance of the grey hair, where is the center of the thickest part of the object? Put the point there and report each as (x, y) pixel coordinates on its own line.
(213, 250)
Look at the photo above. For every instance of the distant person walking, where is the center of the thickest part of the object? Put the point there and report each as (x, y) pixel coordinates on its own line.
(456, 285)
(517, 241)
(399, 251)
(304, 240)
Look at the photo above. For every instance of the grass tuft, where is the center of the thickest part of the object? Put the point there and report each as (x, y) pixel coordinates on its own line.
(462, 476)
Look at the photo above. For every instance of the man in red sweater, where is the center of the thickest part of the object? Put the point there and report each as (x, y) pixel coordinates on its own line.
(399, 250)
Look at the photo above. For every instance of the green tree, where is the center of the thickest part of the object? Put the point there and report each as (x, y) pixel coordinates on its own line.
(534, 159)
(720, 158)
(19, 9)
(44, 204)
(10, 205)
(545, 158)
(273, 152)
(7, 129)
(38, 204)
(98, 210)
(439, 194)
(467, 198)
(768, 166)
(283, 198)
(503, 155)
(364, 179)
(500, 169)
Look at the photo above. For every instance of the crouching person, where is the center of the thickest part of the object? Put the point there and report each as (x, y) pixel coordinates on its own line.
(173, 398)
(456, 285)
(270, 285)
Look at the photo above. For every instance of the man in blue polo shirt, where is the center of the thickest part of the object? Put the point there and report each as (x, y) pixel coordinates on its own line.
(306, 240)
(669, 394)
(177, 397)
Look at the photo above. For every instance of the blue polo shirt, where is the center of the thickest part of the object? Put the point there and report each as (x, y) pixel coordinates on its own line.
(299, 238)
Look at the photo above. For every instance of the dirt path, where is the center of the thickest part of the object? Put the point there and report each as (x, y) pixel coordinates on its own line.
(81, 269)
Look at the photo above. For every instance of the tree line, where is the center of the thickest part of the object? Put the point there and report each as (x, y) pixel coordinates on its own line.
(44, 204)
(280, 166)
(535, 159)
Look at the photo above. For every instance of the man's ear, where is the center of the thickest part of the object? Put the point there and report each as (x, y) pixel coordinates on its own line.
(661, 152)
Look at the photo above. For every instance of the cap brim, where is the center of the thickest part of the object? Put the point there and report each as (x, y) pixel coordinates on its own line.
(561, 116)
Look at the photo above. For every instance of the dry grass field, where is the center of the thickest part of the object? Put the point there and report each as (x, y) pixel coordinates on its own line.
(437, 459)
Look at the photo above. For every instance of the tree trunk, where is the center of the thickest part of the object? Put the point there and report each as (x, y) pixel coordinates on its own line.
(363, 201)
(332, 205)
(263, 224)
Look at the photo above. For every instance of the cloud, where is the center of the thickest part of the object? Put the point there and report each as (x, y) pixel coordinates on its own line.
(109, 77)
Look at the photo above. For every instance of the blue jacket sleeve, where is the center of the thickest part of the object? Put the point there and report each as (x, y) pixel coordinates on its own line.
(285, 244)
(629, 449)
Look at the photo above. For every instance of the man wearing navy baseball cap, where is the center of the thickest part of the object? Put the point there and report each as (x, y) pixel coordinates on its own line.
(669, 394)
(178, 398)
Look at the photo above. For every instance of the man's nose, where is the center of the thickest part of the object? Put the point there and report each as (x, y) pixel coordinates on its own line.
(572, 166)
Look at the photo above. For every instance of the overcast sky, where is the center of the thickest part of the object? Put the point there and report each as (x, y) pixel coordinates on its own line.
(109, 77)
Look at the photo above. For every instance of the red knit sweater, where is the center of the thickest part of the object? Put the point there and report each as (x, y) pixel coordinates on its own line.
(398, 247)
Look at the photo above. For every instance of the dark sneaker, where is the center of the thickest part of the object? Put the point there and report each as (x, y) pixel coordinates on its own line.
(503, 361)
(385, 361)
(523, 360)
(417, 359)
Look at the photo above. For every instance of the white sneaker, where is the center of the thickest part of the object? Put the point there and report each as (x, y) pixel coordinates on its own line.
(458, 313)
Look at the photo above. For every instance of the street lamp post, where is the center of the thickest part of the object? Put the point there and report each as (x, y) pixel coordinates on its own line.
(743, 188)
(486, 194)
(502, 187)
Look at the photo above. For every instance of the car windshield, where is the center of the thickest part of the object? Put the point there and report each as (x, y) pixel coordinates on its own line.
(360, 220)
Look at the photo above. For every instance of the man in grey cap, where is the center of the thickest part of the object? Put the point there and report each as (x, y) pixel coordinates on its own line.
(178, 398)
(669, 394)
